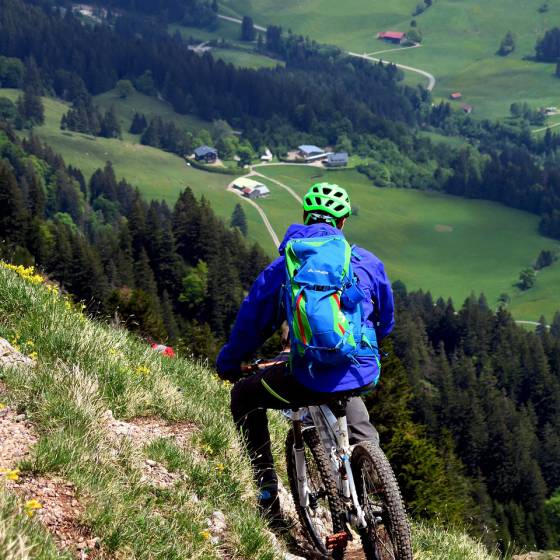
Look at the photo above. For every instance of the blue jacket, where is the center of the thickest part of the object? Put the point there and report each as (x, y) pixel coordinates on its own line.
(261, 313)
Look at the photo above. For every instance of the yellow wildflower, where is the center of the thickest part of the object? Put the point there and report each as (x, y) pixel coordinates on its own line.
(31, 506)
(12, 474)
(33, 356)
(27, 273)
(220, 468)
(142, 370)
(2, 406)
(205, 534)
(29, 343)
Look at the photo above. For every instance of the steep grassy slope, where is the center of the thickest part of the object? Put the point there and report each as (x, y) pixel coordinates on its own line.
(459, 46)
(83, 369)
(448, 245)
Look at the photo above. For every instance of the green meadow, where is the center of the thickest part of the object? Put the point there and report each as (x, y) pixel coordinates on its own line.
(448, 245)
(234, 51)
(158, 174)
(460, 40)
(245, 59)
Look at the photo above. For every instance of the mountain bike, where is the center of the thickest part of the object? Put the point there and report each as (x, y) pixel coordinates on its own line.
(341, 490)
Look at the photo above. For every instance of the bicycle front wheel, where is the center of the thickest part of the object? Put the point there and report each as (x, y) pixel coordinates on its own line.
(387, 536)
(324, 515)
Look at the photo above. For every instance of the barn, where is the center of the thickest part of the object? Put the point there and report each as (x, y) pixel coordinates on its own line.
(396, 37)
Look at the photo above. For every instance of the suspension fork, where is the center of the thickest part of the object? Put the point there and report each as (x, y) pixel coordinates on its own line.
(349, 489)
(299, 456)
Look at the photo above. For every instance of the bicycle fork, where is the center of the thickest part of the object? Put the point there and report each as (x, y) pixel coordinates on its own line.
(299, 456)
(348, 484)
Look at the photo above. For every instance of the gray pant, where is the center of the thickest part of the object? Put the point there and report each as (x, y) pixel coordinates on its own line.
(277, 388)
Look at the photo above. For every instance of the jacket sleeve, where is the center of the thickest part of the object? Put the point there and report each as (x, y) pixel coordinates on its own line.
(257, 318)
(384, 297)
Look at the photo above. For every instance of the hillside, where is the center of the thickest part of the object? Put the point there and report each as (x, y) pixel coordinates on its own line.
(126, 453)
(416, 241)
(448, 245)
(159, 175)
(460, 40)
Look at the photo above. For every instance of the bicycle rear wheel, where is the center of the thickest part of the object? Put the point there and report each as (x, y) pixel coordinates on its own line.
(387, 536)
(325, 514)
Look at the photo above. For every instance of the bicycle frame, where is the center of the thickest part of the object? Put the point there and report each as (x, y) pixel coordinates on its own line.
(333, 433)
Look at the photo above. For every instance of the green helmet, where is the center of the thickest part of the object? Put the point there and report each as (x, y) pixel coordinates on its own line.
(328, 199)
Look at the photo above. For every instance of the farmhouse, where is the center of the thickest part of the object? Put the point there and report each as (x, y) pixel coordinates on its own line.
(337, 160)
(396, 37)
(206, 154)
(267, 156)
(456, 95)
(251, 189)
(311, 153)
(467, 108)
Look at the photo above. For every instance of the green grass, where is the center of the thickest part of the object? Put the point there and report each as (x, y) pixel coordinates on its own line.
(460, 41)
(481, 247)
(243, 55)
(84, 368)
(22, 538)
(225, 30)
(150, 107)
(245, 59)
(158, 174)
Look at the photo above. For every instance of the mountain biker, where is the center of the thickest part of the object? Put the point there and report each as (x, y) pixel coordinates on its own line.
(326, 208)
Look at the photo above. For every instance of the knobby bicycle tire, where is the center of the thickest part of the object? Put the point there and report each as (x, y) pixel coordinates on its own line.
(320, 469)
(387, 536)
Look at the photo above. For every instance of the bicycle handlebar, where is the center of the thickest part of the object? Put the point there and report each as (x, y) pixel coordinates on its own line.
(259, 366)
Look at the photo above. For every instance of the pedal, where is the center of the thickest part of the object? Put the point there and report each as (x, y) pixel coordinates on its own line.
(337, 541)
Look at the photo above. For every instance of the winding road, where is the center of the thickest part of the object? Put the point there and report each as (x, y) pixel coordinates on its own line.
(262, 213)
(430, 77)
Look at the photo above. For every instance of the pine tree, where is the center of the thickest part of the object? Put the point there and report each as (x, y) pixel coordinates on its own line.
(247, 29)
(30, 108)
(139, 124)
(13, 212)
(239, 219)
(110, 127)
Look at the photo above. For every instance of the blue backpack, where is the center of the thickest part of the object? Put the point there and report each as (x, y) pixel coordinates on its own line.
(324, 302)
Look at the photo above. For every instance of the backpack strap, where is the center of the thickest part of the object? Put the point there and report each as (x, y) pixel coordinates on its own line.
(355, 253)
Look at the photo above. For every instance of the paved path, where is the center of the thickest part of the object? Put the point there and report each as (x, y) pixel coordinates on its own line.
(534, 323)
(262, 213)
(545, 127)
(289, 189)
(415, 46)
(431, 77)
(237, 20)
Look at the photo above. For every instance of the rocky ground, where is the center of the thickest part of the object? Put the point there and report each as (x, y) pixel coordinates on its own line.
(538, 556)
(56, 503)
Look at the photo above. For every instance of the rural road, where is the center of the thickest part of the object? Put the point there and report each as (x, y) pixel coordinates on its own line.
(289, 189)
(262, 213)
(237, 20)
(431, 78)
(533, 323)
(545, 127)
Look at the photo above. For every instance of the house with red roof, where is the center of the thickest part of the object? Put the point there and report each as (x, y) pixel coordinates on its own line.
(396, 37)
(456, 95)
